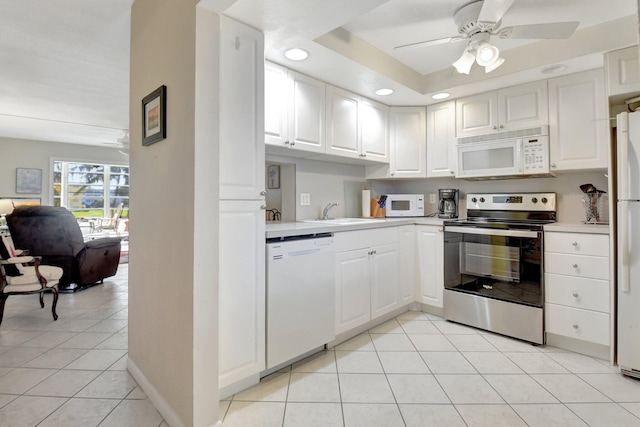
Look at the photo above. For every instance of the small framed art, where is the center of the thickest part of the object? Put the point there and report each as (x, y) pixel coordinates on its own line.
(28, 181)
(154, 117)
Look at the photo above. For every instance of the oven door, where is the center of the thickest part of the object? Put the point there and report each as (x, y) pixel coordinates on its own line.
(499, 263)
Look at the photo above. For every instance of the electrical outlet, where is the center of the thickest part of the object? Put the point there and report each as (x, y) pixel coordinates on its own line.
(305, 199)
(432, 198)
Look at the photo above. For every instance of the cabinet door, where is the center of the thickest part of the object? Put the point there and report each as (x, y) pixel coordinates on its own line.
(241, 111)
(242, 290)
(623, 71)
(523, 106)
(353, 291)
(407, 272)
(431, 264)
(578, 122)
(276, 79)
(441, 140)
(342, 116)
(306, 113)
(384, 279)
(408, 142)
(374, 131)
(477, 114)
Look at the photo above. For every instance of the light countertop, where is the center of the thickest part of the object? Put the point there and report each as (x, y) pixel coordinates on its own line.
(578, 227)
(298, 228)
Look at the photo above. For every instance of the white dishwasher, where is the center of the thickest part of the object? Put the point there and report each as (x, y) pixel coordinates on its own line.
(300, 296)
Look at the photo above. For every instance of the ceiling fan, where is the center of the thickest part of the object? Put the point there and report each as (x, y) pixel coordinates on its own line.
(478, 20)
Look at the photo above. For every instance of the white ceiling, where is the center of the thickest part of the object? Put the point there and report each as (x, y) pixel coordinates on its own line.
(64, 64)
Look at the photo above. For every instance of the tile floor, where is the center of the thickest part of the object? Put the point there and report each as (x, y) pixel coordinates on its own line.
(415, 370)
(419, 370)
(71, 372)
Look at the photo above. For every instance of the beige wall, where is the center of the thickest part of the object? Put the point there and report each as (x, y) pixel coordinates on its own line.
(172, 276)
(22, 153)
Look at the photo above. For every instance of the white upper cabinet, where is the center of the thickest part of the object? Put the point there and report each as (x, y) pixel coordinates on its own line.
(306, 113)
(356, 126)
(578, 122)
(374, 131)
(276, 86)
(623, 71)
(343, 122)
(294, 110)
(513, 108)
(241, 111)
(408, 134)
(441, 140)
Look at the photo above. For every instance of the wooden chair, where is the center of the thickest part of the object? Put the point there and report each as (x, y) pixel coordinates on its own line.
(24, 275)
(109, 223)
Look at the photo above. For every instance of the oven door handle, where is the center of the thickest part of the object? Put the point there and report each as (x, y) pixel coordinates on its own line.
(491, 231)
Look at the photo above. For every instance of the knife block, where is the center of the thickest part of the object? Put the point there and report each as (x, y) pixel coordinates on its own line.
(376, 210)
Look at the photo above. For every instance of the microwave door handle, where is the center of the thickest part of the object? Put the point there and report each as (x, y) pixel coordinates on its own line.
(520, 160)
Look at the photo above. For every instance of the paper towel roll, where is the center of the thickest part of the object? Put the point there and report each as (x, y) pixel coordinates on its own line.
(366, 203)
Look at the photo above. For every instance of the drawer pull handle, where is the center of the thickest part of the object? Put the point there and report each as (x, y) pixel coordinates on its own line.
(575, 295)
(575, 326)
(574, 243)
(575, 265)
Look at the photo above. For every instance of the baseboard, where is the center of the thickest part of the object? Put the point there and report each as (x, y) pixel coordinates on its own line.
(598, 351)
(431, 309)
(345, 336)
(155, 397)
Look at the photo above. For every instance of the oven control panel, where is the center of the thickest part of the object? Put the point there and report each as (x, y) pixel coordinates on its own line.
(512, 201)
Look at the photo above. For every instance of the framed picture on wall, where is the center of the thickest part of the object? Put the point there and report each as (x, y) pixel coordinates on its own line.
(154, 117)
(273, 177)
(28, 180)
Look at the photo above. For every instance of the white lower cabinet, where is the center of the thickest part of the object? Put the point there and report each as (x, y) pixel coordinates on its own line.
(577, 288)
(407, 268)
(366, 276)
(242, 291)
(430, 242)
(353, 289)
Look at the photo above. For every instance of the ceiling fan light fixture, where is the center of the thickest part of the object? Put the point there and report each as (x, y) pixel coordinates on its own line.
(487, 54)
(498, 62)
(463, 65)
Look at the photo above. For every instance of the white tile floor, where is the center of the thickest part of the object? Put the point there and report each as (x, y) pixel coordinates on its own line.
(419, 370)
(71, 372)
(416, 370)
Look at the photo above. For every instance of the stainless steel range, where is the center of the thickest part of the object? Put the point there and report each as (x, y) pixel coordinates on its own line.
(493, 264)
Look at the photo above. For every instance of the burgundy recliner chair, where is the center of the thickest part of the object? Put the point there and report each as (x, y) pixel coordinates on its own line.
(54, 234)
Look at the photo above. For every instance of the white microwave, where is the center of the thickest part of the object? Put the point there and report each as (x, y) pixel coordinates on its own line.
(399, 205)
(513, 156)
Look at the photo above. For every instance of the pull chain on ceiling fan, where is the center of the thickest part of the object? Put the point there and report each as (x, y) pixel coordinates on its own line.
(478, 20)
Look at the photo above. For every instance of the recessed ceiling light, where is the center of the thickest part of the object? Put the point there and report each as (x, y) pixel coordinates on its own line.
(554, 69)
(384, 92)
(441, 95)
(296, 54)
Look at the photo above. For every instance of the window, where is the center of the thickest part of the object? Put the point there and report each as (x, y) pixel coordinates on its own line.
(90, 189)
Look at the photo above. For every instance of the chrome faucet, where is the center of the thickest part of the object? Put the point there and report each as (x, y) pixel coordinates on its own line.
(325, 211)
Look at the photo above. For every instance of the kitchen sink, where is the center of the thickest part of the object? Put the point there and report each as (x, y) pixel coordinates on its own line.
(344, 221)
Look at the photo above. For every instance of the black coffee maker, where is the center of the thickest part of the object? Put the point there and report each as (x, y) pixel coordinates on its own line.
(448, 204)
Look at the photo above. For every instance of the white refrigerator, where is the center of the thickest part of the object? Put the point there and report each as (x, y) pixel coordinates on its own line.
(628, 242)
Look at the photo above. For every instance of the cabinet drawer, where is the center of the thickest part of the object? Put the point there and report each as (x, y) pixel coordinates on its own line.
(577, 265)
(578, 292)
(575, 323)
(577, 243)
(359, 239)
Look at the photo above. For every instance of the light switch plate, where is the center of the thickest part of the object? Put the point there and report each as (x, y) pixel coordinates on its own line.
(432, 198)
(305, 199)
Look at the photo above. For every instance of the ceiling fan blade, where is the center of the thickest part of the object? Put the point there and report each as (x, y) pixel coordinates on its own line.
(429, 42)
(555, 30)
(494, 10)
